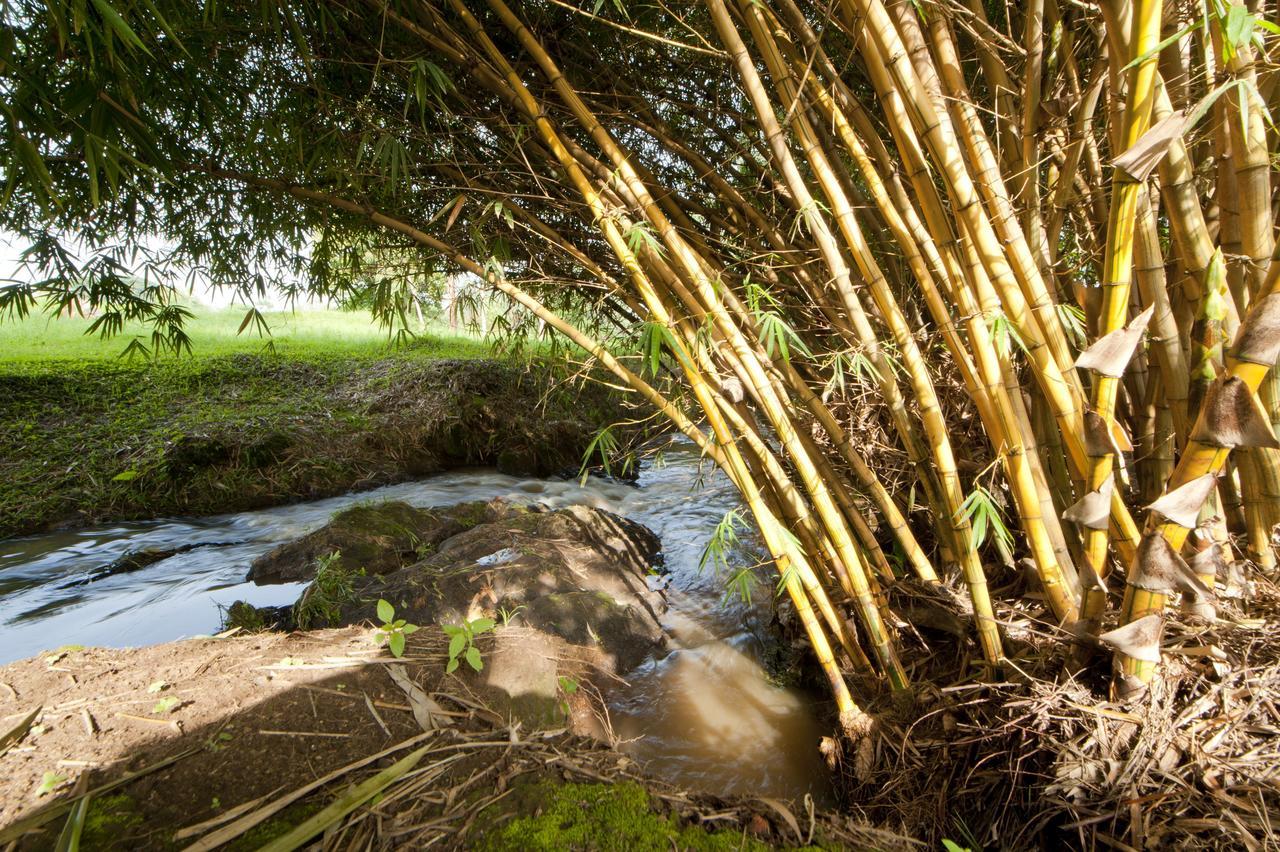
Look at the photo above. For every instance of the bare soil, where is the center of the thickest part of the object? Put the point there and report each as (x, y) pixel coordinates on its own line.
(262, 713)
(260, 716)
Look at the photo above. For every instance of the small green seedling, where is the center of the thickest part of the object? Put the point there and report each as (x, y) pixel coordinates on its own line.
(393, 630)
(568, 686)
(166, 705)
(219, 742)
(508, 614)
(49, 783)
(462, 642)
(158, 686)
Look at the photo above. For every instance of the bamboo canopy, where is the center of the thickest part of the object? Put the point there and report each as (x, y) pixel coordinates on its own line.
(953, 292)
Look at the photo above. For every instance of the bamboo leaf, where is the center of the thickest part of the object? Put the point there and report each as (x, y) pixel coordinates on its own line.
(1142, 158)
(69, 838)
(1162, 45)
(426, 711)
(119, 26)
(14, 735)
(345, 804)
(1237, 30)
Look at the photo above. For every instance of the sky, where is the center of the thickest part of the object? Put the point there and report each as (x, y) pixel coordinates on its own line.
(11, 269)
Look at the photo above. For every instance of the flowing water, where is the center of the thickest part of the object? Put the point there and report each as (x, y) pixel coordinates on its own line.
(706, 716)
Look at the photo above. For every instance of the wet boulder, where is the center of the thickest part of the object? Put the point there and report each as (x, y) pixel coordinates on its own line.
(373, 539)
(553, 596)
(579, 574)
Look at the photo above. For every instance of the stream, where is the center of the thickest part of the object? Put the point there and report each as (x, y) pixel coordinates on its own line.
(706, 716)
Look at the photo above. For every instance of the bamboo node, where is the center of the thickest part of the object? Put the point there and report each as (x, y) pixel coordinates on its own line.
(1182, 504)
(1232, 417)
(1110, 354)
(1259, 338)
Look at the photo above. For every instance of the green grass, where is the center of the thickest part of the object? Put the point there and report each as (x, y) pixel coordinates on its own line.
(305, 335)
(88, 436)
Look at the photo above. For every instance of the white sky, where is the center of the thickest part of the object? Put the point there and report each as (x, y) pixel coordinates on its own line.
(202, 295)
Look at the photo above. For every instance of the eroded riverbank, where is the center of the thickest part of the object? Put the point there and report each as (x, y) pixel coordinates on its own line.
(84, 443)
(265, 731)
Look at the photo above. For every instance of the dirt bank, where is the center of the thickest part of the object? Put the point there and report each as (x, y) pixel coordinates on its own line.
(222, 728)
(86, 442)
(513, 620)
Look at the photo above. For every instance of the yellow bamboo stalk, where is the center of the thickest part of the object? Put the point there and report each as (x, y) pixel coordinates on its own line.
(1200, 458)
(706, 396)
(988, 392)
(855, 243)
(1117, 275)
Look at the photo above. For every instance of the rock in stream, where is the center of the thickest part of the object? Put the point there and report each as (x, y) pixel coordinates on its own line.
(569, 589)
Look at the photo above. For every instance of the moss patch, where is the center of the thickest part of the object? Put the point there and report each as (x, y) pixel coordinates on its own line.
(605, 817)
(113, 822)
(263, 833)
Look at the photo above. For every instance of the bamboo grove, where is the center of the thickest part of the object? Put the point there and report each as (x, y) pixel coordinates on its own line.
(909, 273)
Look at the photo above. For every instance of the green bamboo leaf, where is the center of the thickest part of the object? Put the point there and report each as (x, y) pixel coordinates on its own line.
(35, 166)
(1237, 30)
(119, 26)
(345, 804)
(69, 839)
(1162, 45)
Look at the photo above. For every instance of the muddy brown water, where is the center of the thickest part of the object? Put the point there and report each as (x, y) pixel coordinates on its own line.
(707, 716)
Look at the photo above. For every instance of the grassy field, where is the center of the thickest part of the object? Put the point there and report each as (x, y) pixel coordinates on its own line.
(214, 332)
(88, 436)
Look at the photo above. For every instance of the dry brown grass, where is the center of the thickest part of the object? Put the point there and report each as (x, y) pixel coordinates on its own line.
(1040, 758)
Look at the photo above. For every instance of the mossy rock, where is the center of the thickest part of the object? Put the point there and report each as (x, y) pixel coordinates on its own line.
(377, 538)
(551, 816)
(594, 618)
